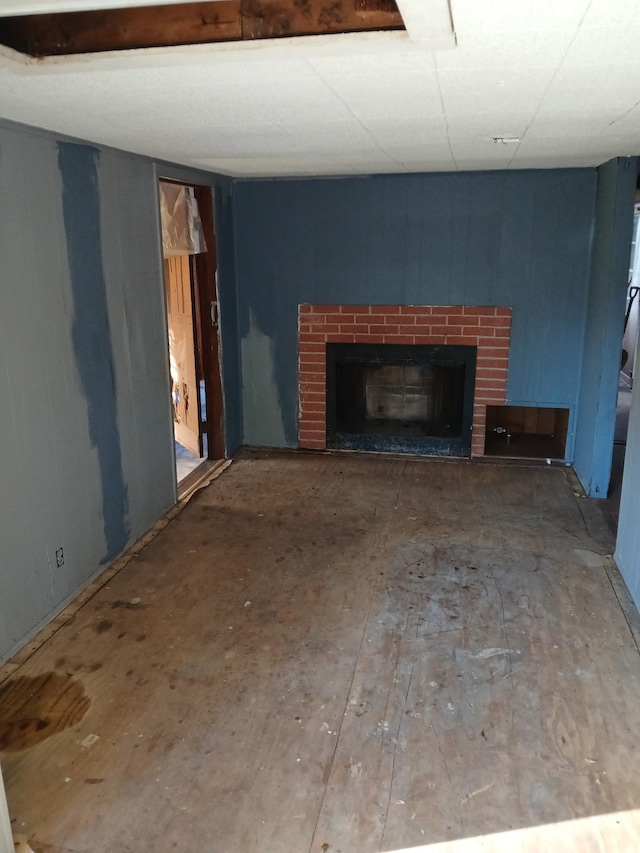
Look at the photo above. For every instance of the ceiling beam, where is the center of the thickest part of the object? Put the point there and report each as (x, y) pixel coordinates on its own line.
(278, 18)
(11, 8)
(122, 29)
(192, 23)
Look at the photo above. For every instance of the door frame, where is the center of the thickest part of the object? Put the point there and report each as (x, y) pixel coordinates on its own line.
(204, 293)
(206, 319)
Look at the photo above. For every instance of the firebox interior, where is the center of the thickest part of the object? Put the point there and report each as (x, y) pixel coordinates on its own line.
(400, 398)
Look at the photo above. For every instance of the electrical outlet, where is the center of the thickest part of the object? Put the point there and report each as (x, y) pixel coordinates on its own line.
(59, 557)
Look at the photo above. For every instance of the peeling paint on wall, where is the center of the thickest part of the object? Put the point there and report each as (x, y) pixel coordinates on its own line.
(261, 402)
(91, 334)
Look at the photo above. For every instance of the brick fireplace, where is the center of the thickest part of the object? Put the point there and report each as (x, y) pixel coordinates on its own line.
(487, 328)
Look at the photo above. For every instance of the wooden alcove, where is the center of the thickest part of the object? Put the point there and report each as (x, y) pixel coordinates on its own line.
(526, 432)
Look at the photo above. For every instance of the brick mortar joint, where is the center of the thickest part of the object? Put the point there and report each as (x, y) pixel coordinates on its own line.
(361, 317)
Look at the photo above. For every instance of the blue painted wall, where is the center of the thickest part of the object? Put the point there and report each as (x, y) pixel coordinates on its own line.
(227, 296)
(613, 225)
(627, 555)
(86, 434)
(91, 333)
(87, 460)
(493, 238)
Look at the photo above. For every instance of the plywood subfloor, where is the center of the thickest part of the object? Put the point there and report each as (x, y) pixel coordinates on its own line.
(346, 654)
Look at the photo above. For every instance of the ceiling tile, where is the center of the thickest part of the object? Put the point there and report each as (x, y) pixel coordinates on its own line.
(492, 152)
(613, 45)
(560, 74)
(421, 153)
(385, 86)
(299, 166)
(405, 131)
(552, 162)
(506, 51)
(480, 127)
(405, 105)
(501, 92)
(400, 62)
(516, 15)
(612, 13)
(575, 122)
(603, 89)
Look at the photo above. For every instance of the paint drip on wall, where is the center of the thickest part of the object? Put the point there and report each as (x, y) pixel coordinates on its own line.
(91, 333)
(260, 389)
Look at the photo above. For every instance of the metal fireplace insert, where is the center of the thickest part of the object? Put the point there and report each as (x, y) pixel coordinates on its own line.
(400, 398)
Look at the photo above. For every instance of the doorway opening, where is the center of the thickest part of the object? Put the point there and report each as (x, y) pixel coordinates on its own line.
(188, 240)
(629, 361)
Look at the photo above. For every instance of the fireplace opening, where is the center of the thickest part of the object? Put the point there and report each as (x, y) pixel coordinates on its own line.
(400, 398)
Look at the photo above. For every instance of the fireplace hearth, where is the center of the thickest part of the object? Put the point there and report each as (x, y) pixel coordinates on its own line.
(400, 398)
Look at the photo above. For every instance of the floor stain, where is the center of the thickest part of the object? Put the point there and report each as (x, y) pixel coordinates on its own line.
(34, 708)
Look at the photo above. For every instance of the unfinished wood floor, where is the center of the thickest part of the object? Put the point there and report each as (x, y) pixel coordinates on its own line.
(346, 654)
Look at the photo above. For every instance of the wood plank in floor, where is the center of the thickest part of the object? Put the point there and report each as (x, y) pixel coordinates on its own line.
(361, 652)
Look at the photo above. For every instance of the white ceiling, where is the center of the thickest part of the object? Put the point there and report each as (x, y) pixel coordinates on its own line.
(560, 78)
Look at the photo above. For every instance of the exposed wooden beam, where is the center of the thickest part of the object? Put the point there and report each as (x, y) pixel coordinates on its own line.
(274, 18)
(10, 8)
(191, 23)
(122, 29)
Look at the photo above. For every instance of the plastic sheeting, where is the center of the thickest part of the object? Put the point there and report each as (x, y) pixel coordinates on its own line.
(182, 232)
